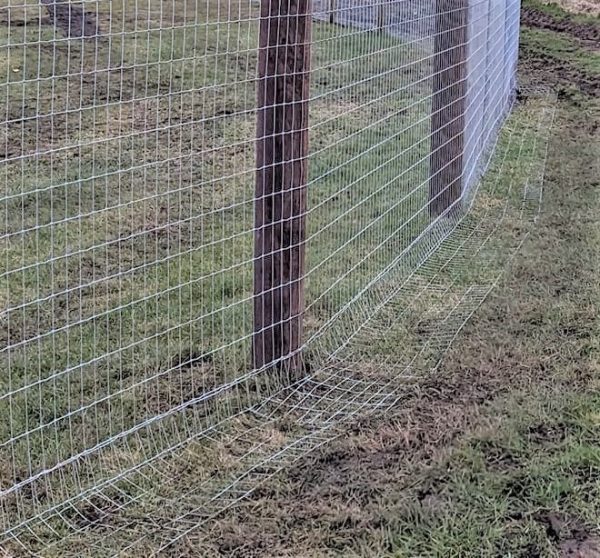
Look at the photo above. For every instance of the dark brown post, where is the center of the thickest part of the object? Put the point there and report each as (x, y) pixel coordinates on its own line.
(449, 104)
(281, 176)
(332, 9)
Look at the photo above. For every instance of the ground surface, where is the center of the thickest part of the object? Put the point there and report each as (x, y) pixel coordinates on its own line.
(500, 455)
(127, 203)
(495, 456)
(578, 6)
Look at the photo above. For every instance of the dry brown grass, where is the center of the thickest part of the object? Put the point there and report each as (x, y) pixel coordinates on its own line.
(590, 7)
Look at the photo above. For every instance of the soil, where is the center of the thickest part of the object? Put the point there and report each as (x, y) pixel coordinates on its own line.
(542, 20)
(71, 19)
(541, 66)
(572, 538)
(556, 73)
(587, 548)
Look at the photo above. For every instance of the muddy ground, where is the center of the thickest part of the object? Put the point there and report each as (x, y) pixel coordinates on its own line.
(538, 18)
(71, 18)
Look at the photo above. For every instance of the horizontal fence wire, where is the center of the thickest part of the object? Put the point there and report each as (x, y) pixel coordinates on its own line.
(201, 202)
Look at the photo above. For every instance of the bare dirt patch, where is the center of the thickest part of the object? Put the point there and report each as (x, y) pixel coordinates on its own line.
(540, 62)
(560, 74)
(71, 19)
(587, 548)
(572, 538)
(541, 20)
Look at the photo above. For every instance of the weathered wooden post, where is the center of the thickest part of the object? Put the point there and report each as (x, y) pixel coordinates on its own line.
(281, 176)
(449, 104)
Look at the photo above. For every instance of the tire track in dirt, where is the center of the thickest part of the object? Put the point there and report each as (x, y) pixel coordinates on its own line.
(559, 73)
(554, 71)
(588, 32)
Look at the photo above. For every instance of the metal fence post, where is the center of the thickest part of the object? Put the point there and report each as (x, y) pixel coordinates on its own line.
(449, 104)
(281, 176)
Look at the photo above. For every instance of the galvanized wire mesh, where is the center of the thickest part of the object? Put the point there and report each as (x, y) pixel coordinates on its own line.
(128, 197)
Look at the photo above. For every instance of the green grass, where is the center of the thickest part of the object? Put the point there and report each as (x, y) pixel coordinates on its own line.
(496, 454)
(202, 466)
(563, 49)
(127, 186)
(454, 472)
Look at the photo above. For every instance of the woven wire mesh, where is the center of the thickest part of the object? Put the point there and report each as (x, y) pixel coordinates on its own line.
(128, 170)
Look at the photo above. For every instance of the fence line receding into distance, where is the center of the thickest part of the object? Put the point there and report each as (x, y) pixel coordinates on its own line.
(198, 198)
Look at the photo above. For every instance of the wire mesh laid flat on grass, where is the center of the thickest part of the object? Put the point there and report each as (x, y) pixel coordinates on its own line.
(201, 203)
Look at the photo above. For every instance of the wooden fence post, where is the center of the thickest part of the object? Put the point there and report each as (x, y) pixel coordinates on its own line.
(449, 104)
(281, 176)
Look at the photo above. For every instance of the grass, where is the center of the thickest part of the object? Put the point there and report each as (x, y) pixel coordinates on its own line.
(184, 481)
(497, 454)
(127, 188)
(474, 462)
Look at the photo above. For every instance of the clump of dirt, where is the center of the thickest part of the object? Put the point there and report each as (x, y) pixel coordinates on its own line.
(587, 548)
(571, 537)
(95, 510)
(542, 66)
(547, 433)
(542, 20)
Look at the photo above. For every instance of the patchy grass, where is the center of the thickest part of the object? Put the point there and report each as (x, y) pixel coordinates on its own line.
(562, 49)
(497, 454)
(251, 446)
(127, 165)
(575, 7)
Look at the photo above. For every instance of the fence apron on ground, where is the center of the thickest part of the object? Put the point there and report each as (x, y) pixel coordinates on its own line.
(202, 204)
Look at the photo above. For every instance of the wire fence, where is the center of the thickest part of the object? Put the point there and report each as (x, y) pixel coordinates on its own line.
(201, 201)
